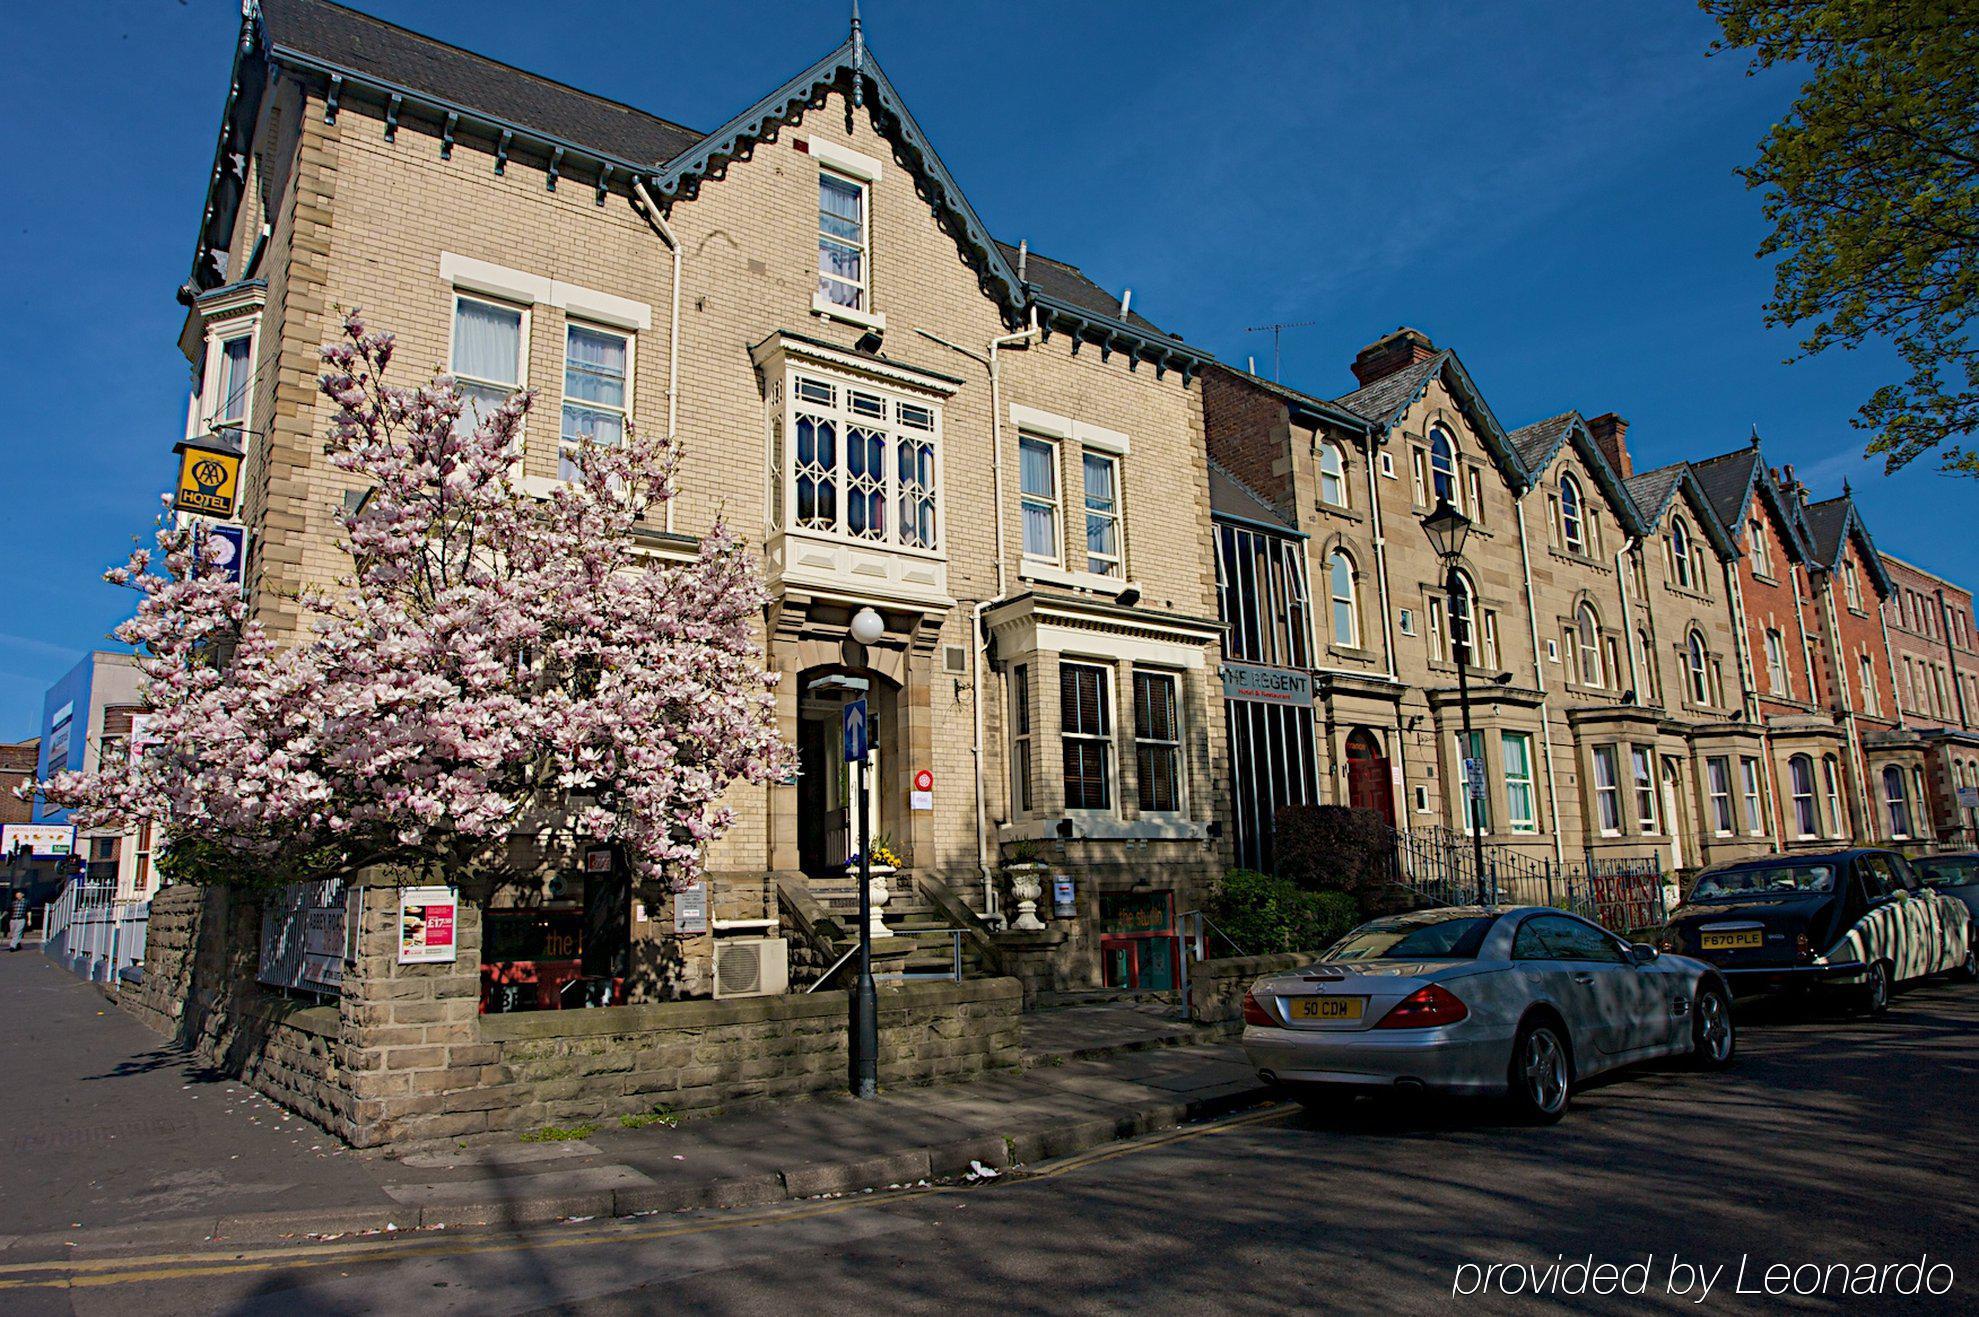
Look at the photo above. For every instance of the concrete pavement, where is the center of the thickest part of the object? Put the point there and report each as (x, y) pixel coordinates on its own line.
(1832, 1141)
(119, 1139)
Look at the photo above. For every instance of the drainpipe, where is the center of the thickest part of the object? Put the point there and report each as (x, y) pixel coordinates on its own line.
(977, 645)
(659, 223)
(1539, 680)
(1380, 555)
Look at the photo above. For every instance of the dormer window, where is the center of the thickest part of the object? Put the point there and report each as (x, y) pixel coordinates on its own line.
(1443, 470)
(1573, 529)
(1680, 562)
(842, 249)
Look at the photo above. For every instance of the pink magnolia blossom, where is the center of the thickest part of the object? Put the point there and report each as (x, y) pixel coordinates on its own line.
(496, 664)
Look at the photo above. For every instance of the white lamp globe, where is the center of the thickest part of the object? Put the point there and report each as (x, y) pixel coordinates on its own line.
(867, 626)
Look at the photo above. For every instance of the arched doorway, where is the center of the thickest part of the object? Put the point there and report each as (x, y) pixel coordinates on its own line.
(827, 786)
(1369, 784)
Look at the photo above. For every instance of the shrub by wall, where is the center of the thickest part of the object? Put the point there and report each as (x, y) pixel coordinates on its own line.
(1334, 848)
(1265, 915)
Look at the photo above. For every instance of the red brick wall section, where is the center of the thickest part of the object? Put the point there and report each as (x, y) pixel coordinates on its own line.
(1861, 634)
(17, 764)
(1769, 606)
(1249, 434)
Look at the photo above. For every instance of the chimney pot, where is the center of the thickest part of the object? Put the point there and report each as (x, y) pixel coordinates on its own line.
(1611, 437)
(1390, 353)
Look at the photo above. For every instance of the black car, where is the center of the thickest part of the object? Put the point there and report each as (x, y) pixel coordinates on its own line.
(1855, 917)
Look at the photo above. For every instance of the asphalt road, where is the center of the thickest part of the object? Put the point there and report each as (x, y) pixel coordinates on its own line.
(1833, 1141)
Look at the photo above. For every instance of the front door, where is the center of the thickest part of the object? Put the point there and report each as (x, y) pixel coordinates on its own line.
(1673, 816)
(827, 786)
(1369, 779)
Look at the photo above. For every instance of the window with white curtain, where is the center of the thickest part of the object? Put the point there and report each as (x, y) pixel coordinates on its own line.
(1831, 784)
(487, 356)
(1700, 675)
(1037, 461)
(1776, 665)
(1800, 771)
(1645, 787)
(1102, 514)
(842, 246)
(1898, 802)
(1332, 475)
(1587, 637)
(597, 366)
(1761, 549)
(1608, 790)
(1346, 605)
(1755, 814)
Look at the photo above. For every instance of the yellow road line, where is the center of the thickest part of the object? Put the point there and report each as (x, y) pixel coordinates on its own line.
(410, 1245)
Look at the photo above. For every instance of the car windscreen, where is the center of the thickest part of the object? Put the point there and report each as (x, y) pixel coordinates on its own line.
(1944, 871)
(1390, 939)
(1764, 880)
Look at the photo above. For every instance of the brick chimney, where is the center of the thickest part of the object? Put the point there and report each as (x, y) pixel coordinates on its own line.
(1390, 353)
(1611, 436)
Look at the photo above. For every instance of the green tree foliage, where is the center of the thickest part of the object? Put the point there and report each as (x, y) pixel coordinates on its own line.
(1264, 915)
(1871, 183)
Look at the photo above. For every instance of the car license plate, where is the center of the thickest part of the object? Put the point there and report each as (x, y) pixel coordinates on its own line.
(1736, 940)
(1328, 1008)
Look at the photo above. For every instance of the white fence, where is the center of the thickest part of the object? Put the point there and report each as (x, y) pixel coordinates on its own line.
(91, 933)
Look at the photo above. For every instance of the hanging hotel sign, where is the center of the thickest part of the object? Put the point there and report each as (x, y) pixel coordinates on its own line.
(1263, 685)
(209, 476)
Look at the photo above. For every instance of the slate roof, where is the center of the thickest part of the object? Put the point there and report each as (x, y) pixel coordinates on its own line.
(1652, 491)
(1068, 283)
(363, 44)
(1536, 443)
(1231, 497)
(1387, 397)
(1826, 523)
(1727, 483)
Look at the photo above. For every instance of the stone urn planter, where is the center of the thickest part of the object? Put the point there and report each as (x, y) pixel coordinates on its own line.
(880, 892)
(1026, 886)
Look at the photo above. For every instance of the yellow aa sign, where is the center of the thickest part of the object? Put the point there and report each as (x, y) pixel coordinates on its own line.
(207, 481)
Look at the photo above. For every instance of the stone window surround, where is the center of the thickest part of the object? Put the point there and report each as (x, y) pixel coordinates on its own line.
(867, 170)
(1065, 432)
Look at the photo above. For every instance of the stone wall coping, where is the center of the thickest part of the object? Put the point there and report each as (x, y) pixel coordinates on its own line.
(736, 1010)
(313, 1018)
(1039, 940)
(1257, 966)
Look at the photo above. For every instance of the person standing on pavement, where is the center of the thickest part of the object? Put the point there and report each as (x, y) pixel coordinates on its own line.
(16, 919)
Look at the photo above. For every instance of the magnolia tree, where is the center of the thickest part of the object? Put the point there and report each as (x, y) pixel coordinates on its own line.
(497, 665)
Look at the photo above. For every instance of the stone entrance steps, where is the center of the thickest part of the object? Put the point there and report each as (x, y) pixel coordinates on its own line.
(914, 920)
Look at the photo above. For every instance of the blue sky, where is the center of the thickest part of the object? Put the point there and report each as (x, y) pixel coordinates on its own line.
(1546, 187)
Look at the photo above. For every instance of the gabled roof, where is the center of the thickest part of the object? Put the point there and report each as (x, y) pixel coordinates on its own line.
(1231, 498)
(1830, 523)
(1654, 492)
(1539, 443)
(1386, 400)
(596, 142)
(1728, 482)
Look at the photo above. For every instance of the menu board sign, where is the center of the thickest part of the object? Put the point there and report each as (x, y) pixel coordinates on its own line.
(426, 925)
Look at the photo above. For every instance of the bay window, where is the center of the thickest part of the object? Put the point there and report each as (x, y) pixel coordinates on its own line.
(1755, 818)
(1020, 739)
(1085, 711)
(235, 360)
(1800, 771)
(1157, 742)
(1645, 787)
(1608, 790)
(864, 465)
(1516, 751)
(1718, 775)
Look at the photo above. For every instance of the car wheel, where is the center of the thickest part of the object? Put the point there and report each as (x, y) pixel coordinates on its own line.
(1541, 1074)
(1874, 993)
(1713, 1035)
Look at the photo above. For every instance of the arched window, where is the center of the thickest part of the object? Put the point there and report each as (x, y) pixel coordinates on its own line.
(1443, 469)
(1801, 769)
(1680, 562)
(1573, 531)
(1332, 475)
(1897, 800)
(1587, 635)
(1462, 611)
(1694, 662)
(1346, 606)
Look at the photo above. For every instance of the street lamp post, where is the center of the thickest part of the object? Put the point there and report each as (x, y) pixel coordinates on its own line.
(867, 628)
(1448, 529)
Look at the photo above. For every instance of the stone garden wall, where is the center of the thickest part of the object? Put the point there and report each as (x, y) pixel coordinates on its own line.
(1217, 987)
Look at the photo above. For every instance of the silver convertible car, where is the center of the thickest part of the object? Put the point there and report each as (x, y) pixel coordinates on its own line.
(1522, 1004)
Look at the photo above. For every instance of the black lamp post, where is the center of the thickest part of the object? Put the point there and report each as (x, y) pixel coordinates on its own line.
(1448, 530)
(867, 627)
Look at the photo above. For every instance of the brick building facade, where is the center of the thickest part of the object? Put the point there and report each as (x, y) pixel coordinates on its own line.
(1929, 620)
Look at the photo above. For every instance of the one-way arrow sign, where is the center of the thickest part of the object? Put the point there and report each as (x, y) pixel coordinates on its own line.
(855, 731)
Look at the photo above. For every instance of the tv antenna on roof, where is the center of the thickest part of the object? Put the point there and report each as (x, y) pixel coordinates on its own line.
(1276, 329)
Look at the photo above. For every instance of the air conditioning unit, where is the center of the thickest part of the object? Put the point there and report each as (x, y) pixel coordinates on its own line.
(751, 966)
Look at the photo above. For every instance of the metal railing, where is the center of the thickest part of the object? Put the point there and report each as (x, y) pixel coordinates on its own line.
(1438, 866)
(91, 933)
(953, 974)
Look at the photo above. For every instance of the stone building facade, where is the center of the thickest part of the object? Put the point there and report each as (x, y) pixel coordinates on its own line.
(1929, 620)
(1002, 459)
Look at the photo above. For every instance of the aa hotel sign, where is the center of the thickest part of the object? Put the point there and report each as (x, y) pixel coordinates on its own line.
(209, 478)
(1247, 681)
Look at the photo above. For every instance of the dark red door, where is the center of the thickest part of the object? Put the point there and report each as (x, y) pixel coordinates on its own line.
(1368, 784)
